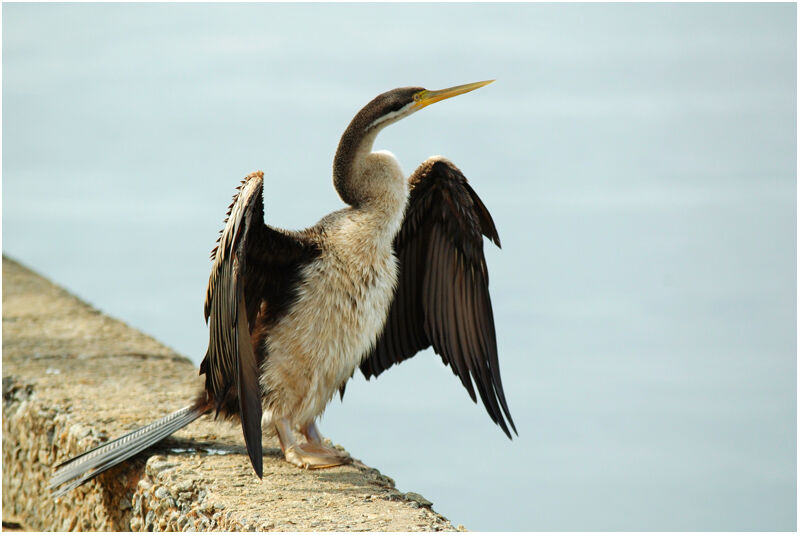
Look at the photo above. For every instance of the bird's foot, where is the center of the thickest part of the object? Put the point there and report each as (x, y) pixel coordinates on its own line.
(313, 456)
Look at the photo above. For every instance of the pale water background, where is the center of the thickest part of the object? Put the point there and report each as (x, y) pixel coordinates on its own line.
(639, 161)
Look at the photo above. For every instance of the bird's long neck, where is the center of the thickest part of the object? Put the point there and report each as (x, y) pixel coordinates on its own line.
(368, 180)
(354, 148)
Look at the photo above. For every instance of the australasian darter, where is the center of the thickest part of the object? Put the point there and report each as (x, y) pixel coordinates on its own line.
(292, 314)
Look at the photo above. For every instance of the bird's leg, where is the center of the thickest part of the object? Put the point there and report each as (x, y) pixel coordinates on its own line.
(312, 454)
(311, 432)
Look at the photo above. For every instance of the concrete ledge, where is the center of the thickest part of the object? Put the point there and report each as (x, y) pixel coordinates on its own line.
(73, 378)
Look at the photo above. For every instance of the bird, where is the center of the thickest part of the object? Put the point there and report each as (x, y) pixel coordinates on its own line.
(293, 314)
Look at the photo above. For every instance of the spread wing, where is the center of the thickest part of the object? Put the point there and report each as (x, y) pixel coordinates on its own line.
(442, 297)
(253, 274)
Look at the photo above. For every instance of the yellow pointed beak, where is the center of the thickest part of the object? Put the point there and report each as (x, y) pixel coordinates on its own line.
(425, 97)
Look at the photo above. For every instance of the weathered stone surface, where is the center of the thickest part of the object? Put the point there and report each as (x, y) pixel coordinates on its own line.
(73, 378)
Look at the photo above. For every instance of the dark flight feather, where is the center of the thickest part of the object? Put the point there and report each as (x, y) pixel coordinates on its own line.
(229, 364)
(252, 283)
(442, 298)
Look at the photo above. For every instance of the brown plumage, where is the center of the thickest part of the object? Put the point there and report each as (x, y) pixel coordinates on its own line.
(442, 299)
(292, 314)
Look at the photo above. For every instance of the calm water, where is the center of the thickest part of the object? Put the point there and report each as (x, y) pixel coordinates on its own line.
(639, 161)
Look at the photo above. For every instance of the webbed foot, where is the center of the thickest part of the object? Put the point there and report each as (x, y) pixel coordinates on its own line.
(313, 454)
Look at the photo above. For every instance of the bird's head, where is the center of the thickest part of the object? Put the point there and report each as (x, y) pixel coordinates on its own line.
(357, 171)
(390, 107)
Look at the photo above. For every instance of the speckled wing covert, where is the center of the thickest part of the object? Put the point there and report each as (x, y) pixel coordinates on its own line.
(442, 297)
(253, 275)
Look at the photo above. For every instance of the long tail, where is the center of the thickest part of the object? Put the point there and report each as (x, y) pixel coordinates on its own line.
(84, 467)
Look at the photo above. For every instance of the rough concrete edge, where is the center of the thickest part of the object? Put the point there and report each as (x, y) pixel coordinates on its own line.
(144, 502)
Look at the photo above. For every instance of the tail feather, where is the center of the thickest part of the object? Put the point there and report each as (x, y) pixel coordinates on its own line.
(84, 467)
